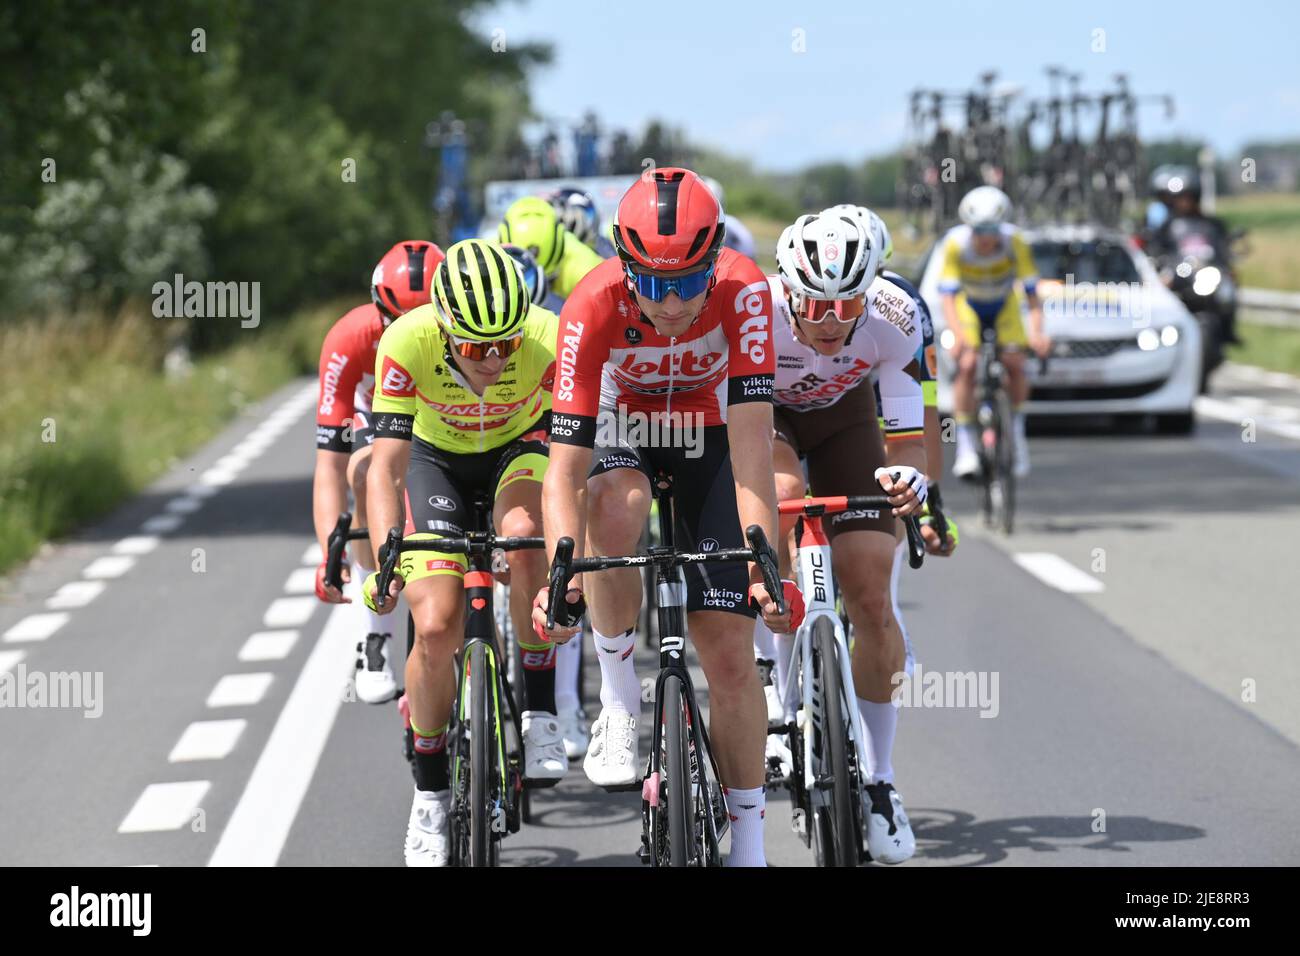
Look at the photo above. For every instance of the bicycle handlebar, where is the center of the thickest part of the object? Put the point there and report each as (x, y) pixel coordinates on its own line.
(564, 566)
(478, 542)
(816, 507)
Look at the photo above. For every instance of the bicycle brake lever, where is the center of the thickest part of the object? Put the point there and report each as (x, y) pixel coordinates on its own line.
(390, 552)
(765, 558)
(915, 543)
(560, 575)
(338, 541)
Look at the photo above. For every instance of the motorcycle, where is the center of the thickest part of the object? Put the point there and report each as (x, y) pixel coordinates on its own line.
(1199, 271)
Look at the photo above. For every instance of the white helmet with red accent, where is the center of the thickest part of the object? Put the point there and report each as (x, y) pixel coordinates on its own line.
(828, 255)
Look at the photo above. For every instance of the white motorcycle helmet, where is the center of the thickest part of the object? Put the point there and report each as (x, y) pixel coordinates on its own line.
(828, 255)
(984, 206)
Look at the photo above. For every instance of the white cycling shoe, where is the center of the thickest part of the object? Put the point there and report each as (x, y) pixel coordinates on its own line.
(427, 842)
(889, 833)
(573, 730)
(1020, 462)
(544, 756)
(374, 681)
(611, 759)
(967, 463)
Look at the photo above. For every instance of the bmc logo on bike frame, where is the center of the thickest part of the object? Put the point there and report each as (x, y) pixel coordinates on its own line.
(673, 645)
(818, 576)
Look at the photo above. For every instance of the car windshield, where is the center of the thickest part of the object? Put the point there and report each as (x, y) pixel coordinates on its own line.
(1093, 260)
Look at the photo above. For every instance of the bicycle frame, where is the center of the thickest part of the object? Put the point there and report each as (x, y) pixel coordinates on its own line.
(816, 581)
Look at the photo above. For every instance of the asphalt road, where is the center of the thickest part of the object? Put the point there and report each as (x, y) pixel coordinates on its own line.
(1140, 626)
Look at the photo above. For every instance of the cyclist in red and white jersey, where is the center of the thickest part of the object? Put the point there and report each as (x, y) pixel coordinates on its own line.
(676, 330)
(837, 324)
(344, 432)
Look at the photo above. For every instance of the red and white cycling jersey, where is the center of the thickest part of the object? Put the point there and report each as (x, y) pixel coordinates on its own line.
(609, 358)
(347, 375)
(885, 341)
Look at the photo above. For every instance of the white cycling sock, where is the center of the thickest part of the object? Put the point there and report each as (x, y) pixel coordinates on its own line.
(785, 648)
(881, 721)
(568, 660)
(1018, 424)
(619, 688)
(899, 552)
(967, 437)
(763, 643)
(746, 808)
(375, 623)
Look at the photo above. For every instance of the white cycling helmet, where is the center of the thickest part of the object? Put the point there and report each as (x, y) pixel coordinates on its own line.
(984, 206)
(828, 255)
(874, 222)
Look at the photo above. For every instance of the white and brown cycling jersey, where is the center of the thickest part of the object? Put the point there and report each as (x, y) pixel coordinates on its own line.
(886, 341)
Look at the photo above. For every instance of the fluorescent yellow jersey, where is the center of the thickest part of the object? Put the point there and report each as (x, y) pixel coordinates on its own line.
(986, 279)
(417, 389)
(578, 259)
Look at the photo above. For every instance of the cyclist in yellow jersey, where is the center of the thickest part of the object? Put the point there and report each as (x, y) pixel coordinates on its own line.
(462, 407)
(532, 222)
(983, 260)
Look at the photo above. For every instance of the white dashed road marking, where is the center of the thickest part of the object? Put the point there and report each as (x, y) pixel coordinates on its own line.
(207, 740)
(75, 594)
(137, 544)
(240, 690)
(290, 611)
(161, 524)
(37, 627)
(109, 566)
(165, 806)
(1061, 574)
(9, 659)
(268, 646)
(260, 824)
(301, 581)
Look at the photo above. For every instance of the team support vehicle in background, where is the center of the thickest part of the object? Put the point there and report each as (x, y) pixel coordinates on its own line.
(1123, 344)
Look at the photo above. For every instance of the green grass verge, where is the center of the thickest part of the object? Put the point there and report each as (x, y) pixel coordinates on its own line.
(1267, 346)
(93, 418)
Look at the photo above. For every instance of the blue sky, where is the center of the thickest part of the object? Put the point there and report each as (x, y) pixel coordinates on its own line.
(726, 71)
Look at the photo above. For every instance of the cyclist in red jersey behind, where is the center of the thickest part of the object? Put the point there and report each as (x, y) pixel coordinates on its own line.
(676, 331)
(344, 434)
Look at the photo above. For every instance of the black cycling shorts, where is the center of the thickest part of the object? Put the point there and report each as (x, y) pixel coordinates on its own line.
(704, 506)
(441, 488)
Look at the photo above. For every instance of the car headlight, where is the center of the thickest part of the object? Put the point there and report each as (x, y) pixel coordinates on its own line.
(1148, 340)
(1169, 335)
(1206, 281)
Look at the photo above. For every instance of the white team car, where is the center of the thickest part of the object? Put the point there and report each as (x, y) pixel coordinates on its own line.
(1122, 343)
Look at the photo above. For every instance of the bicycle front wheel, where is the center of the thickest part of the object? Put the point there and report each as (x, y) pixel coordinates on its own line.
(837, 752)
(483, 734)
(678, 803)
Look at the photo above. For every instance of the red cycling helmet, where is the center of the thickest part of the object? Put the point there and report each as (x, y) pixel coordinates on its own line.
(404, 276)
(668, 221)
